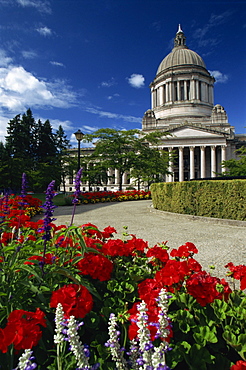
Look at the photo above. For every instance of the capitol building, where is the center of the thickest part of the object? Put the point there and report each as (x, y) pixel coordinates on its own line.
(182, 105)
(196, 132)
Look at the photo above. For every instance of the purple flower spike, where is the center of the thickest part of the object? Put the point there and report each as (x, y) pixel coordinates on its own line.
(24, 185)
(77, 186)
(49, 209)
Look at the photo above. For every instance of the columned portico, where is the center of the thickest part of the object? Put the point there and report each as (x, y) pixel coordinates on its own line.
(194, 161)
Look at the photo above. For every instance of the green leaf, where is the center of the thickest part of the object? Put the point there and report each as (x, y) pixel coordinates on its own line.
(204, 334)
(198, 357)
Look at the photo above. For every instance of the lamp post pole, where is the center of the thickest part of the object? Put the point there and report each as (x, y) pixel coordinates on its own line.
(79, 136)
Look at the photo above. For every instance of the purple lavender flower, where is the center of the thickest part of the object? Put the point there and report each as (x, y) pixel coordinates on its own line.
(77, 186)
(24, 185)
(49, 209)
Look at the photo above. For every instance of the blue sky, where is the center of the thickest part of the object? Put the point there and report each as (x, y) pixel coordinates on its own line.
(88, 63)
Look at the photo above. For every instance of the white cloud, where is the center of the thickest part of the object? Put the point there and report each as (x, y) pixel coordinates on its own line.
(219, 77)
(114, 115)
(41, 5)
(110, 97)
(89, 129)
(29, 54)
(55, 123)
(19, 89)
(136, 80)
(214, 21)
(44, 31)
(108, 83)
(57, 64)
(4, 59)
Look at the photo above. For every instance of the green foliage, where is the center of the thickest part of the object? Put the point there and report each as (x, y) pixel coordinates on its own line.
(218, 198)
(126, 151)
(236, 167)
(33, 148)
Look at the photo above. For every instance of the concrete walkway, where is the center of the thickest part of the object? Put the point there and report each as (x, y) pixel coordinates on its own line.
(218, 241)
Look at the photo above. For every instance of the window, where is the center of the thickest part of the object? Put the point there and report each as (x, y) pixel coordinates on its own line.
(188, 90)
(200, 90)
(182, 90)
(175, 91)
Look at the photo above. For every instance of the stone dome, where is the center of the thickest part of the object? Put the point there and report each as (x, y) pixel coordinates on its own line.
(181, 55)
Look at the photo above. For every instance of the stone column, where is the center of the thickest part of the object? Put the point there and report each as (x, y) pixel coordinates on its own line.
(152, 98)
(167, 97)
(213, 161)
(170, 91)
(192, 162)
(161, 92)
(223, 156)
(197, 90)
(181, 163)
(192, 90)
(170, 166)
(178, 90)
(212, 95)
(185, 90)
(117, 177)
(203, 163)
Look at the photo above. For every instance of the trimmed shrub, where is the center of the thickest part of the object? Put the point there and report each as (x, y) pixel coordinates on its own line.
(219, 199)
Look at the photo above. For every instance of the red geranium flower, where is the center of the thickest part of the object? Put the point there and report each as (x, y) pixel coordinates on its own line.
(159, 253)
(97, 266)
(108, 232)
(136, 244)
(184, 251)
(174, 272)
(49, 259)
(203, 287)
(193, 265)
(116, 247)
(23, 329)
(3, 341)
(240, 365)
(148, 290)
(93, 243)
(76, 300)
(238, 273)
(90, 229)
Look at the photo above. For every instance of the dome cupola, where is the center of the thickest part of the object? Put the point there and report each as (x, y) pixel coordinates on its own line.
(181, 55)
(183, 88)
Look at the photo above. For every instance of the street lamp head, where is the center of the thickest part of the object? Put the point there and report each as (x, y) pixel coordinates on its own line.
(79, 135)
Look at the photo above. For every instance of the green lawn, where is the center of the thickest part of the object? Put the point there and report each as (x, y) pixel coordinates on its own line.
(58, 200)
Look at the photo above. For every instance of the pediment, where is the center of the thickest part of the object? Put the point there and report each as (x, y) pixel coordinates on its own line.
(191, 132)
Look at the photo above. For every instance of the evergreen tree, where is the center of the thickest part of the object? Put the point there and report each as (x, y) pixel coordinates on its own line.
(33, 148)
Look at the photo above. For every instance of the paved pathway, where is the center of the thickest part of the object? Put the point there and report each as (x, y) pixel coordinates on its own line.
(217, 241)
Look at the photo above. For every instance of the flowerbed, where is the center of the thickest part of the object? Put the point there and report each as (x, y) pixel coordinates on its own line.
(113, 196)
(52, 275)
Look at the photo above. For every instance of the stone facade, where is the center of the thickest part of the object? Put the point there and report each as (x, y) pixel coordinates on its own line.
(182, 107)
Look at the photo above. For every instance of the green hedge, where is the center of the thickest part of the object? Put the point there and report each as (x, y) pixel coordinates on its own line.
(210, 198)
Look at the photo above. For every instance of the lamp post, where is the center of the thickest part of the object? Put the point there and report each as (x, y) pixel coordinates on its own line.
(79, 136)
